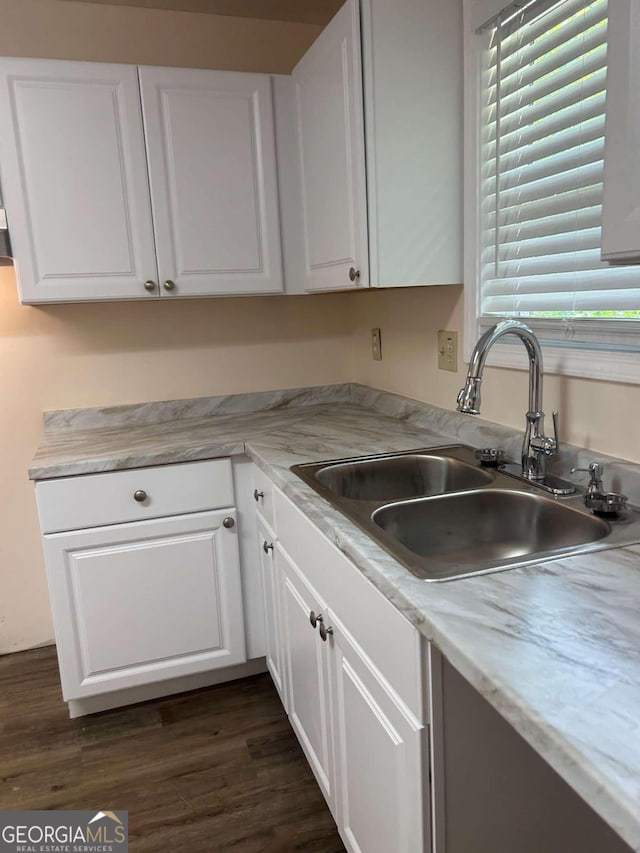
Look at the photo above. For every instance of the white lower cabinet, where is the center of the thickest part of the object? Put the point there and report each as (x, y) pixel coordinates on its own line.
(353, 682)
(144, 579)
(308, 674)
(381, 754)
(271, 589)
(141, 602)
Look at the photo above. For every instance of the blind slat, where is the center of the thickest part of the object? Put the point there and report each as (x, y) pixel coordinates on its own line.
(562, 262)
(556, 143)
(539, 286)
(567, 97)
(570, 179)
(548, 226)
(549, 244)
(544, 126)
(544, 207)
(573, 158)
(565, 302)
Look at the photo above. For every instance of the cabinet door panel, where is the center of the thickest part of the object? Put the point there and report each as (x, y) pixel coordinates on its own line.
(380, 754)
(328, 89)
(272, 591)
(412, 59)
(308, 691)
(621, 201)
(210, 143)
(142, 602)
(74, 179)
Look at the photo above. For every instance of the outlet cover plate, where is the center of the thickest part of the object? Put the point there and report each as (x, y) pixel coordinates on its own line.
(448, 350)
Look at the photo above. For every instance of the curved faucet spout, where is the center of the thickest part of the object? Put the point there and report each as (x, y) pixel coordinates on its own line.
(479, 357)
(536, 446)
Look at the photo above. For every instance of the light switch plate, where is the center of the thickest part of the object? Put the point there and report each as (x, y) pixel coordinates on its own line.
(447, 350)
(376, 345)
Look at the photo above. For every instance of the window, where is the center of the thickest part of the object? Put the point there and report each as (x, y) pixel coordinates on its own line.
(538, 85)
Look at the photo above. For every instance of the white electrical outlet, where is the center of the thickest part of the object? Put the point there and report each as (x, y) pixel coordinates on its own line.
(448, 350)
(376, 345)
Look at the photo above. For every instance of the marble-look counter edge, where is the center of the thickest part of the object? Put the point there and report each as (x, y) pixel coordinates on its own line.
(118, 462)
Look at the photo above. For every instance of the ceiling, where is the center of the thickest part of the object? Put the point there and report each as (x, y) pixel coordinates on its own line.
(304, 11)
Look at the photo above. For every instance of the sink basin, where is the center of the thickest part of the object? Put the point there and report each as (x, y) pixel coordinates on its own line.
(396, 477)
(442, 515)
(456, 533)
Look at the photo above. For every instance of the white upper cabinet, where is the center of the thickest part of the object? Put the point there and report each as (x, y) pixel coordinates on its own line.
(83, 206)
(212, 167)
(621, 202)
(402, 64)
(412, 58)
(330, 132)
(74, 180)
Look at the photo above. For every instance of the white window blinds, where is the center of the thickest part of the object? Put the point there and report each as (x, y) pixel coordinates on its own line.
(542, 149)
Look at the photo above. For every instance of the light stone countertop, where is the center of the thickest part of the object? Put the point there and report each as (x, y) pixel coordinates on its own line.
(554, 647)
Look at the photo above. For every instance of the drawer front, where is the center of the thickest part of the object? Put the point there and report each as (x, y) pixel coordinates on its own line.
(263, 495)
(93, 500)
(389, 640)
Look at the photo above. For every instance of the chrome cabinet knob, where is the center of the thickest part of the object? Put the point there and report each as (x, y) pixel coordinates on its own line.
(150, 285)
(140, 495)
(257, 495)
(314, 618)
(169, 285)
(324, 632)
(228, 522)
(267, 546)
(354, 274)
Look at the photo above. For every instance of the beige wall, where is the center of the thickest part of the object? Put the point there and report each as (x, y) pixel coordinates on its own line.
(88, 355)
(49, 28)
(598, 415)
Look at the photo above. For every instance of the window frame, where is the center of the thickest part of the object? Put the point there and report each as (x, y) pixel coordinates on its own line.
(608, 351)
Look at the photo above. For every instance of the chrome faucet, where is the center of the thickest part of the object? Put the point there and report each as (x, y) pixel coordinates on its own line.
(536, 446)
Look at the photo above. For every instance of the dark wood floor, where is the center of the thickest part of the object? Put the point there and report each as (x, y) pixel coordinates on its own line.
(213, 770)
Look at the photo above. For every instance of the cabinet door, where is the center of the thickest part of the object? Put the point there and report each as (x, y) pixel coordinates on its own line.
(412, 59)
(381, 755)
(74, 180)
(143, 602)
(212, 167)
(307, 667)
(621, 201)
(328, 91)
(272, 591)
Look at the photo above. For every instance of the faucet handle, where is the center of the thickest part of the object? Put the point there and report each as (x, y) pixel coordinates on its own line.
(543, 444)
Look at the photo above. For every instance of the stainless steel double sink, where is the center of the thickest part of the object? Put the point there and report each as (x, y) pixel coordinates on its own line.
(444, 516)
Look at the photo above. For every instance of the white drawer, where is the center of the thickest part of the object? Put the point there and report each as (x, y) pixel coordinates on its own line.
(263, 495)
(92, 500)
(390, 641)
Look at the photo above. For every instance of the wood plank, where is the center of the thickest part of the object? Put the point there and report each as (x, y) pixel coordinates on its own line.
(217, 769)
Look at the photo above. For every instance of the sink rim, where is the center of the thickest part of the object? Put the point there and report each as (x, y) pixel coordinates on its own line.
(623, 531)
